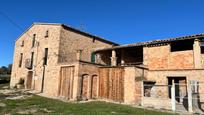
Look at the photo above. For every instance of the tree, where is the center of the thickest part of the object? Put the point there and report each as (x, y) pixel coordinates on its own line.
(3, 70)
(9, 68)
(6, 70)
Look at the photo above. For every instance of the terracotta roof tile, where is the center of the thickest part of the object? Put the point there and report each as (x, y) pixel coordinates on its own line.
(155, 42)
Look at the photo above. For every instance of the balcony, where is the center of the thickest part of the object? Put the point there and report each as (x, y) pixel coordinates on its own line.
(121, 56)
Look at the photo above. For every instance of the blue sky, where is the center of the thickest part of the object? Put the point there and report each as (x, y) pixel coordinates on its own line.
(122, 21)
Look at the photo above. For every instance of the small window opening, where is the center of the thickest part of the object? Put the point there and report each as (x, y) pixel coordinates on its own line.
(22, 43)
(46, 56)
(149, 88)
(94, 40)
(21, 60)
(182, 45)
(46, 34)
(93, 57)
(33, 42)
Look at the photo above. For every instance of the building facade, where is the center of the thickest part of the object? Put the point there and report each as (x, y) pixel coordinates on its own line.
(44, 51)
(60, 61)
(153, 67)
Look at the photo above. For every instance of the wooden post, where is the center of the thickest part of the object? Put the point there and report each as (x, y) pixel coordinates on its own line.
(197, 54)
(113, 58)
(190, 106)
(173, 100)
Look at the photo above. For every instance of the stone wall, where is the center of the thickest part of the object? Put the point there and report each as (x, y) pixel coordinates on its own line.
(82, 69)
(161, 89)
(160, 57)
(62, 45)
(202, 60)
(91, 70)
(161, 78)
(133, 77)
(71, 41)
(181, 60)
(42, 42)
(157, 103)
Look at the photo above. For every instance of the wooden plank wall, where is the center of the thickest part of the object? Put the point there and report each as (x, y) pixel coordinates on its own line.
(66, 82)
(111, 84)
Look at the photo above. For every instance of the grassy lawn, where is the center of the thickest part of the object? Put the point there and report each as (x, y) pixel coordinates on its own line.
(41, 105)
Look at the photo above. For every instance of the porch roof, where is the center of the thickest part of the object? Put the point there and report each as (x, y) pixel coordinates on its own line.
(154, 42)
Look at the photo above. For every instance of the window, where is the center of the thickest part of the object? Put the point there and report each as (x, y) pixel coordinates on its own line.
(202, 50)
(46, 34)
(21, 60)
(202, 47)
(182, 45)
(94, 40)
(33, 42)
(93, 57)
(32, 59)
(22, 43)
(149, 88)
(46, 56)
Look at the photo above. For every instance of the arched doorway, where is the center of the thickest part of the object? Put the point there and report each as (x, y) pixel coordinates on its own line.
(94, 84)
(84, 86)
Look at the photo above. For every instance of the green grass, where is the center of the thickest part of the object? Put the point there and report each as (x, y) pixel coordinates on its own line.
(57, 107)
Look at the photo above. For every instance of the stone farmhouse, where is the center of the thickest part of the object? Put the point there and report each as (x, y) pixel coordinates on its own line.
(60, 61)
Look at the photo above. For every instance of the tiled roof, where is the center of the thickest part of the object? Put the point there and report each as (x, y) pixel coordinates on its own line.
(155, 42)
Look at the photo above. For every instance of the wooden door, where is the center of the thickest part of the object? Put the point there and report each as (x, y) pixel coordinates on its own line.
(29, 80)
(66, 82)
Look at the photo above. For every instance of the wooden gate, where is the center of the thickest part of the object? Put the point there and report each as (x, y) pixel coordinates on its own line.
(66, 82)
(111, 84)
